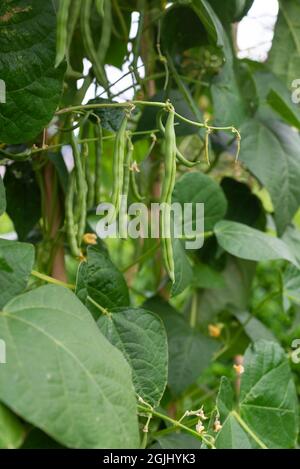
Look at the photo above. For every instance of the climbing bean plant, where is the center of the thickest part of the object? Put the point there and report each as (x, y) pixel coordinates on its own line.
(143, 343)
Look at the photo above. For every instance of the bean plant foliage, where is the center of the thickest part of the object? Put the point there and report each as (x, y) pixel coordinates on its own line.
(145, 343)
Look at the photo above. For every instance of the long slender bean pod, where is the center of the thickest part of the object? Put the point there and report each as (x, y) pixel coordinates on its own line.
(166, 194)
(61, 31)
(118, 168)
(100, 7)
(80, 186)
(123, 217)
(98, 154)
(106, 32)
(89, 43)
(69, 216)
(73, 19)
(181, 159)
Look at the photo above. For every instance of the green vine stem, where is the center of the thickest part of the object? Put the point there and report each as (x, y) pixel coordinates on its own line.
(48, 279)
(175, 423)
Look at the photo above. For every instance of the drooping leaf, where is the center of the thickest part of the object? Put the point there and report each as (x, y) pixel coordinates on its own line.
(281, 103)
(190, 351)
(183, 269)
(291, 237)
(141, 337)
(254, 328)
(16, 263)
(205, 276)
(110, 118)
(249, 243)
(12, 432)
(79, 390)
(211, 301)
(33, 85)
(231, 11)
(291, 284)
(99, 279)
(267, 395)
(284, 58)
(23, 198)
(243, 206)
(2, 197)
(198, 188)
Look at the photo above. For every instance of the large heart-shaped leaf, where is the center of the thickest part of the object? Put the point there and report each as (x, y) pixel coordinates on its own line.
(16, 262)
(141, 337)
(33, 85)
(198, 188)
(12, 432)
(99, 280)
(79, 390)
(271, 151)
(190, 351)
(284, 58)
(23, 198)
(248, 243)
(267, 395)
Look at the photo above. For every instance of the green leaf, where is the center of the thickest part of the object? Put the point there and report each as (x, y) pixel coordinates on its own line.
(199, 188)
(243, 206)
(291, 284)
(99, 279)
(291, 237)
(2, 197)
(141, 337)
(16, 263)
(248, 243)
(210, 21)
(195, 188)
(182, 268)
(212, 301)
(284, 57)
(277, 168)
(33, 85)
(231, 11)
(79, 391)
(190, 352)
(254, 328)
(205, 276)
(23, 198)
(12, 432)
(280, 101)
(110, 118)
(267, 394)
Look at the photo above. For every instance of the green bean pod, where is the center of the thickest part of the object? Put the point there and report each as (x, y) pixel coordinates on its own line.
(106, 31)
(89, 43)
(180, 158)
(69, 217)
(118, 168)
(123, 217)
(98, 154)
(61, 30)
(166, 194)
(100, 7)
(80, 187)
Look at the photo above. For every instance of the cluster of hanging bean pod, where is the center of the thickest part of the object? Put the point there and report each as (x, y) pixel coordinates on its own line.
(67, 19)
